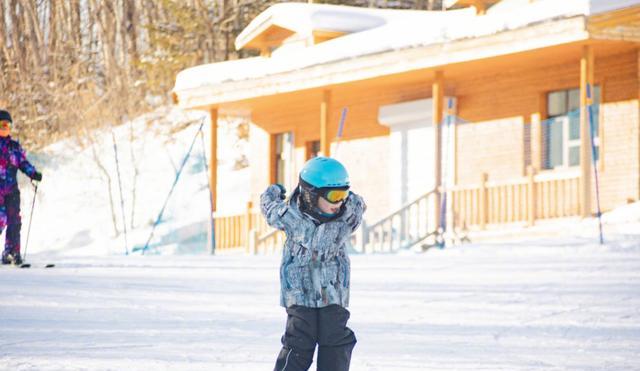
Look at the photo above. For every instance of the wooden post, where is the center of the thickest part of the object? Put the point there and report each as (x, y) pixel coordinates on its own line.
(247, 225)
(531, 197)
(451, 220)
(481, 8)
(253, 242)
(363, 237)
(213, 180)
(213, 113)
(536, 141)
(483, 201)
(586, 77)
(325, 145)
(437, 92)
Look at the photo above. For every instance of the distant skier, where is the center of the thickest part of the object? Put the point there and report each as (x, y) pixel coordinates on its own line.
(12, 158)
(318, 220)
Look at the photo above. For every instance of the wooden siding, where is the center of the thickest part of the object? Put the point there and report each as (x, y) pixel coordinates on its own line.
(500, 104)
(519, 94)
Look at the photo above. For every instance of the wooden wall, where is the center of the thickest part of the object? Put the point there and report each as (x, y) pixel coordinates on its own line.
(499, 140)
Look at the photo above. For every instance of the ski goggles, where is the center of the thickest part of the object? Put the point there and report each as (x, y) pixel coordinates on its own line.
(336, 195)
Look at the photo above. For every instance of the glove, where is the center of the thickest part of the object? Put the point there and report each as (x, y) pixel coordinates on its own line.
(283, 191)
(37, 176)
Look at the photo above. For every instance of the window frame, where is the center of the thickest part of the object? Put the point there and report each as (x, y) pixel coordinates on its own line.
(281, 157)
(567, 142)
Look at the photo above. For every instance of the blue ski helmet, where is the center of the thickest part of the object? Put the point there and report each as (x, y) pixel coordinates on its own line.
(325, 172)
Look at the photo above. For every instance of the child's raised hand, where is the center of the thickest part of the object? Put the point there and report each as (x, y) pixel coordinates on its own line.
(283, 191)
(354, 208)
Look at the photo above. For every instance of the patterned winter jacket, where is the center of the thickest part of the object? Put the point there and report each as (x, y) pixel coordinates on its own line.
(315, 267)
(12, 158)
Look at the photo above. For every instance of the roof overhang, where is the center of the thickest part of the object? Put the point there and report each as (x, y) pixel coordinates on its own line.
(538, 36)
(269, 36)
(314, 21)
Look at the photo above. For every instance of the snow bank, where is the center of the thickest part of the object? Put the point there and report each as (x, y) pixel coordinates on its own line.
(73, 214)
(624, 214)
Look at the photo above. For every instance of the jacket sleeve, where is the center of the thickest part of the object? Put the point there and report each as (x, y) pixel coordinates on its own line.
(23, 164)
(274, 208)
(354, 209)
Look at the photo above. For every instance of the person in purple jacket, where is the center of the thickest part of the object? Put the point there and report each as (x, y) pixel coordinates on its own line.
(12, 158)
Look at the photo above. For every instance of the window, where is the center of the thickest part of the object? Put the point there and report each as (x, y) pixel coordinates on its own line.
(562, 128)
(313, 149)
(282, 153)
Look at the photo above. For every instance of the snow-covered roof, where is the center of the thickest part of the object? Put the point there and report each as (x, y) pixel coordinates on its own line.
(303, 19)
(374, 31)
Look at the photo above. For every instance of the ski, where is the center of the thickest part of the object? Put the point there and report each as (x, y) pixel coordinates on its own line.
(28, 265)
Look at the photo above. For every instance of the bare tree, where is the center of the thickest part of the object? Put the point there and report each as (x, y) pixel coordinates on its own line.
(57, 53)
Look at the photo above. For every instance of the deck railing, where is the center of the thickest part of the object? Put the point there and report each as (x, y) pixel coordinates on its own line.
(270, 242)
(409, 225)
(534, 197)
(234, 231)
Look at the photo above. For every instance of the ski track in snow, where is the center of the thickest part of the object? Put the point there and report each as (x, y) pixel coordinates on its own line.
(523, 306)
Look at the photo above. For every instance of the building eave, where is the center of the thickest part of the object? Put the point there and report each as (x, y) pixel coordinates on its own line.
(436, 56)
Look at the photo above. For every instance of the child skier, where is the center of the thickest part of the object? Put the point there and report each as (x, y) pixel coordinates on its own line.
(12, 158)
(318, 220)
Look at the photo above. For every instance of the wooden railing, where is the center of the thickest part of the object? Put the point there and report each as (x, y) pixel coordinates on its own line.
(534, 197)
(233, 231)
(270, 242)
(229, 231)
(409, 225)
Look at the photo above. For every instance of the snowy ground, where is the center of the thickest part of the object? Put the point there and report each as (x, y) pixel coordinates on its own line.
(545, 305)
(556, 302)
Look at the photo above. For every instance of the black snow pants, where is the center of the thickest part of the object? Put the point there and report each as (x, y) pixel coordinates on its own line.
(326, 327)
(10, 215)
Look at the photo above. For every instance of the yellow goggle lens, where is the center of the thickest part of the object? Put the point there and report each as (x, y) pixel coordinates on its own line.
(336, 195)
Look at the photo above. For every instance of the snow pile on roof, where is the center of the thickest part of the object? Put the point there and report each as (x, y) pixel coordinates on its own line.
(372, 31)
(303, 19)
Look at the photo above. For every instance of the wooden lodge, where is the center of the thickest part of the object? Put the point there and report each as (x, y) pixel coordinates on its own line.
(487, 102)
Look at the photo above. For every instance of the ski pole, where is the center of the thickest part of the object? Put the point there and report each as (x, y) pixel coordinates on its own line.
(211, 201)
(124, 218)
(445, 170)
(173, 186)
(340, 128)
(593, 158)
(33, 205)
